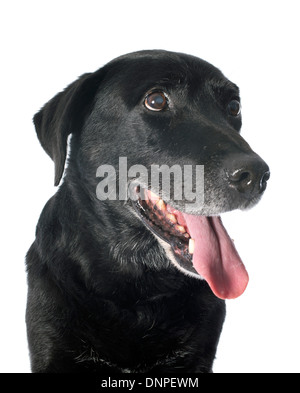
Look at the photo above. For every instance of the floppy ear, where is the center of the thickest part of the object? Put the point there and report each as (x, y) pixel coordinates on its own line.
(64, 114)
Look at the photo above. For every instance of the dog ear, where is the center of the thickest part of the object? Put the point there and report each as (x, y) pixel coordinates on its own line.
(64, 114)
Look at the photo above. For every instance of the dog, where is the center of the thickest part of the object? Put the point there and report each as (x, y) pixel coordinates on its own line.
(137, 282)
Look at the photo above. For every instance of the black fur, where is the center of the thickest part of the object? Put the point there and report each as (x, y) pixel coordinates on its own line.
(103, 296)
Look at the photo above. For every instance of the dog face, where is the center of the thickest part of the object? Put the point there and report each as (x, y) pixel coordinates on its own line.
(160, 108)
(197, 123)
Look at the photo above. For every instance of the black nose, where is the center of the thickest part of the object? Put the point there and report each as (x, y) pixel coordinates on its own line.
(248, 175)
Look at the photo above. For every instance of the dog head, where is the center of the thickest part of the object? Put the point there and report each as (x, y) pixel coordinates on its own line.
(158, 108)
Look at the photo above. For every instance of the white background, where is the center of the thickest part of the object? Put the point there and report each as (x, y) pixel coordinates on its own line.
(47, 44)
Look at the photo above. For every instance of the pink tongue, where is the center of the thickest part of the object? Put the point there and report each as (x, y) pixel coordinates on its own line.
(215, 257)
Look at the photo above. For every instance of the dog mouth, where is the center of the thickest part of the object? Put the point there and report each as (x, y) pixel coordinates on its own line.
(200, 245)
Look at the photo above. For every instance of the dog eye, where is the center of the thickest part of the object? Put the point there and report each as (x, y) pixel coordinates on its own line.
(156, 101)
(234, 108)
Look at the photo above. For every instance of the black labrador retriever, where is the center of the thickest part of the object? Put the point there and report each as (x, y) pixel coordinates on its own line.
(124, 276)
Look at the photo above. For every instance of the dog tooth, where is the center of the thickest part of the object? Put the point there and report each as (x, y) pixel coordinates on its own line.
(191, 246)
(186, 235)
(161, 205)
(180, 228)
(171, 218)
